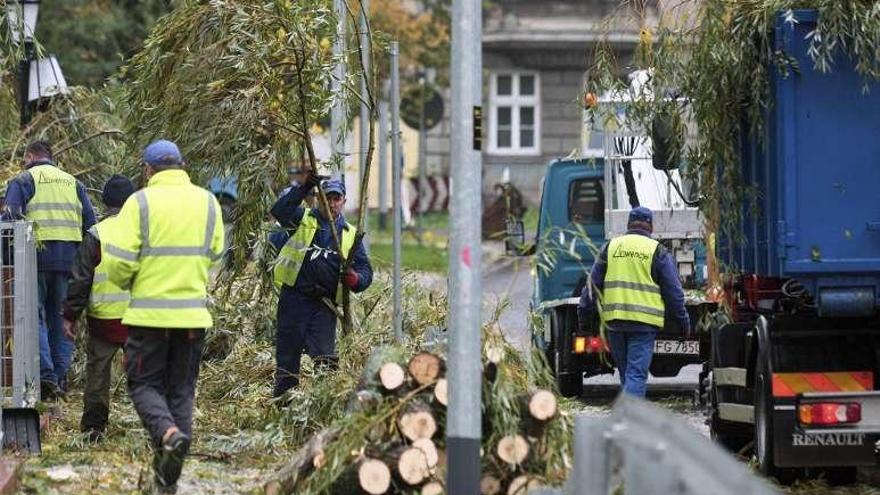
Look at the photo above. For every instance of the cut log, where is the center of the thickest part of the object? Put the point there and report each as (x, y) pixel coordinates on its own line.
(304, 461)
(391, 376)
(417, 422)
(425, 368)
(513, 449)
(432, 488)
(521, 485)
(427, 446)
(410, 465)
(365, 400)
(494, 353)
(490, 485)
(441, 391)
(374, 477)
(542, 405)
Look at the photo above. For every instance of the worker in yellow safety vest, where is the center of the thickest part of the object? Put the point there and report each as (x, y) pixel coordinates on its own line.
(61, 212)
(309, 271)
(634, 281)
(104, 302)
(167, 237)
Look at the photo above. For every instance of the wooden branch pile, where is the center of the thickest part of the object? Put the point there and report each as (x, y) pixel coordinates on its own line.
(393, 439)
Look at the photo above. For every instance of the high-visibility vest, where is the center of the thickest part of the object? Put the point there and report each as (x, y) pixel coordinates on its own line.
(629, 292)
(294, 250)
(107, 301)
(55, 207)
(167, 237)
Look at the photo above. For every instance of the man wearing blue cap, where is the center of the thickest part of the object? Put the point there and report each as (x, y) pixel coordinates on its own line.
(633, 281)
(309, 270)
(166, 238)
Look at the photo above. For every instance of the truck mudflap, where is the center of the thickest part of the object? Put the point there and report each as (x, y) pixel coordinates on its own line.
(797, 444)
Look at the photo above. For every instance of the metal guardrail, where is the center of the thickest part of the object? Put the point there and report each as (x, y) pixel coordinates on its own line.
(644, 449)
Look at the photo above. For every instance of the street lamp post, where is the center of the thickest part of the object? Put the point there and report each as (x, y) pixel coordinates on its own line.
(38, 79)
(22, 17)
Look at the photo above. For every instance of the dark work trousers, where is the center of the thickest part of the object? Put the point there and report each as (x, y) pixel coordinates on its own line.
(163, 366)
(96, 396)
(304, 324)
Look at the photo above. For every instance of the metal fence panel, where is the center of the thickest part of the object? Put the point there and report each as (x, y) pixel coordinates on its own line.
(19, 323)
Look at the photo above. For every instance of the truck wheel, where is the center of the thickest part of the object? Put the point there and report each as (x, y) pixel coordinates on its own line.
(569, 378)
(763, 442)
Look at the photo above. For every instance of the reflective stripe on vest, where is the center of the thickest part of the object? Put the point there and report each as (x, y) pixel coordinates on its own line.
(294, 251)
(630, 292)
(55, 208)
(107, 301)
(150, 251)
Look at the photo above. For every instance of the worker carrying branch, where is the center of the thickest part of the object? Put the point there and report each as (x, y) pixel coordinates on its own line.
(309, 269)
(633, 281)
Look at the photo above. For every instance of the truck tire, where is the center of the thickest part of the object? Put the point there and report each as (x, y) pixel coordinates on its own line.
(763, 441)
(569, 380)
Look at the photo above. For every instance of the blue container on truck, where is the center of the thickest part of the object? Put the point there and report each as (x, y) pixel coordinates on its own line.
(795, 371)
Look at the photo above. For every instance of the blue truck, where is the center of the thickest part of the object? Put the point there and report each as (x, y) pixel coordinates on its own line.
(577, 209)
(795, 370)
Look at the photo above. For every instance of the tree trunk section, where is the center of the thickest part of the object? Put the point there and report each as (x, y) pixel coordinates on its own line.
(391, 376)
(410, 465)
(417, 422)
(512, 449)
(490, 485)
(305, 460)
(425, 368)
(432, 488)
(374, 477)
(441, 391)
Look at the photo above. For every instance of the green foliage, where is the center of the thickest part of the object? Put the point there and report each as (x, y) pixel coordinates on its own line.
(237, 85)
(92, 38)
(720, 59)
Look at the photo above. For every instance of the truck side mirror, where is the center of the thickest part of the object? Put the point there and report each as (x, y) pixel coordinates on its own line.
(666, 153)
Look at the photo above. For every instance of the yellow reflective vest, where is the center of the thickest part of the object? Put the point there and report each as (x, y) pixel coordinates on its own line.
(107, 301)
(629, 291)
(294, 251)
(167, 237)
(55, 207)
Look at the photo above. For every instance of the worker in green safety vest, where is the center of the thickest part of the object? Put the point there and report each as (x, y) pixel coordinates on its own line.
(634, 282)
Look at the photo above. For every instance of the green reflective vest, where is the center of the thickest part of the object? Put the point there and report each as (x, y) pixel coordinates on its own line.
(630, 292)
(294, 251)
(55, 207)
(107, 301)
(167, 237)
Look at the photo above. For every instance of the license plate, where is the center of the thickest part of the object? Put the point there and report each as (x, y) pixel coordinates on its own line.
(676, 347)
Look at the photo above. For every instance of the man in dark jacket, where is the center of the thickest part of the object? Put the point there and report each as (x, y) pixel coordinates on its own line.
(309, 270)
(58, 205)
(90, 289)
(634, 287)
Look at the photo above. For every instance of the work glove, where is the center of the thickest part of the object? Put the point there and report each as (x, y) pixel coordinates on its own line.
(350, 279)
(313, 179)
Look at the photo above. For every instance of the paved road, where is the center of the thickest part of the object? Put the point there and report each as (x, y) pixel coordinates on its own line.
(507, 290)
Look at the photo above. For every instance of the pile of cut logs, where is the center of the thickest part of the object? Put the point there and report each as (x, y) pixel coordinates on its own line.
(403, 450)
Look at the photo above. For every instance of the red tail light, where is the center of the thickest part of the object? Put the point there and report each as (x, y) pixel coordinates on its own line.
(830, 413)
(588, 345)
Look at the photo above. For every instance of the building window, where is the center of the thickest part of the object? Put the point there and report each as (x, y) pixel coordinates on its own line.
(514, 113)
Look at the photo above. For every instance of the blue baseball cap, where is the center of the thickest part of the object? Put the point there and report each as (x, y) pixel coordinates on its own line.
(333, 186)
(162, 152)
(641, 214)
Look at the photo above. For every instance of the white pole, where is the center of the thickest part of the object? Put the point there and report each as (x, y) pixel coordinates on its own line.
(383, 164)
(338, 112)
(463, 423)
(395, 181)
